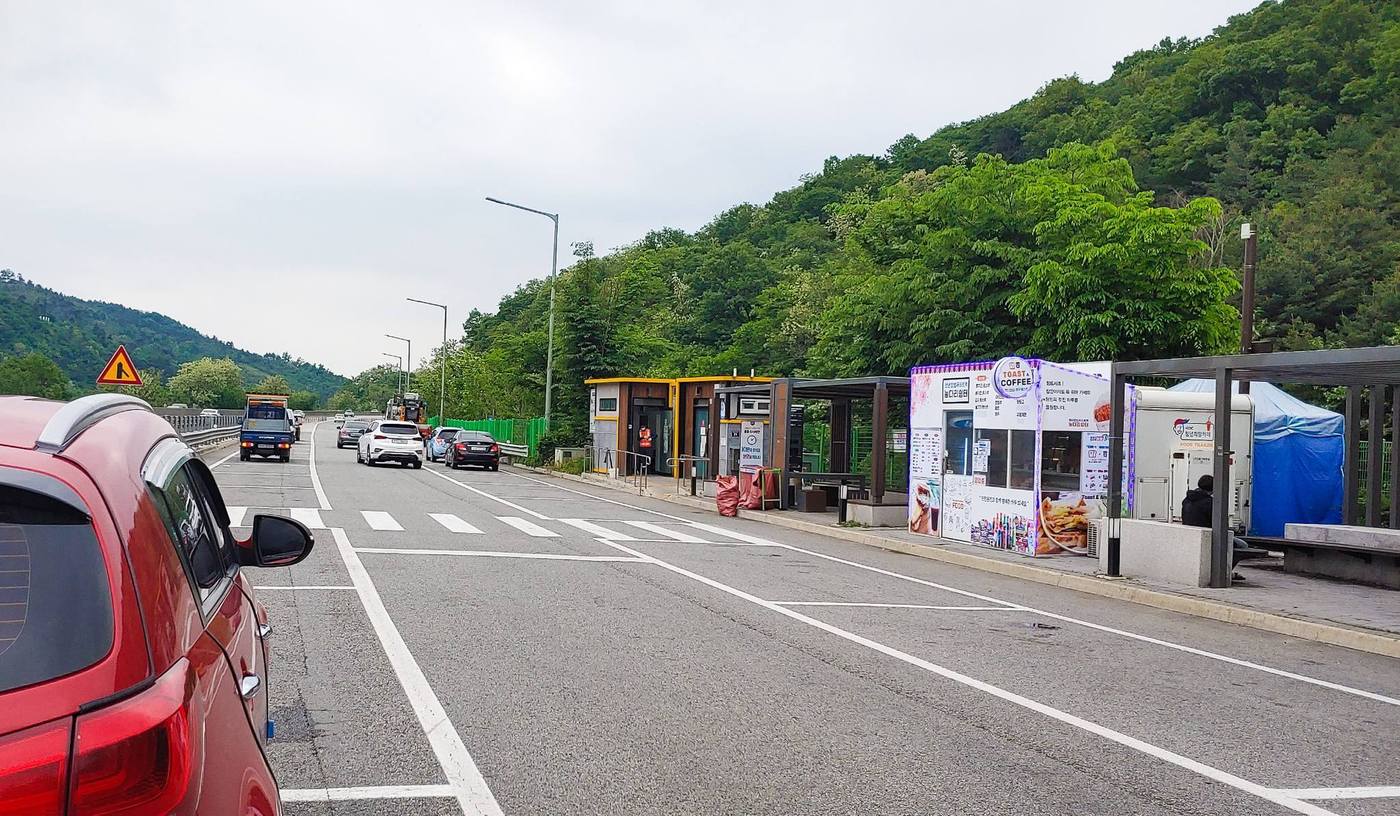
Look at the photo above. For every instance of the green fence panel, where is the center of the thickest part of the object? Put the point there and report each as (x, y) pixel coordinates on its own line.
(514, 431)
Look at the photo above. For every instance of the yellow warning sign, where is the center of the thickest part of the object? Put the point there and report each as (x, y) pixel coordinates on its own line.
(119, 370)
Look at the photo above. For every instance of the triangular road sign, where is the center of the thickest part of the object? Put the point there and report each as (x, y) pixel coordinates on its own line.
(119, 370)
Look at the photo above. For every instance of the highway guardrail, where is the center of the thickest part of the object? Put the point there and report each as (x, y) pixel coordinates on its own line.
(515, 451)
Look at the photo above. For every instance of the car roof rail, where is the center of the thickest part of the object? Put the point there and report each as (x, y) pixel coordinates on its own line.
(69, 422)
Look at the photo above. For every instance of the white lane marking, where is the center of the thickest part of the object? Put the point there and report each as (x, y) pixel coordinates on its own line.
(379, 792)
(309, 516)
(265, 587)
(675, 535)
(465, 779)
(1376, 792)
(225, 459)
(898, 606)
(315, 477)
(597, 530)
(453, 523)
(498, 554)
(230, 486)
(527, 511)
(1234, 661)
(528, 527)
(235, 516)
(1208, 771)
(380, 520)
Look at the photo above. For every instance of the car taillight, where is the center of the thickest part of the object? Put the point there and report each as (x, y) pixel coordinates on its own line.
(380, 436)
(461, 446)
(33, 769)
(135, 756)
(495, 448)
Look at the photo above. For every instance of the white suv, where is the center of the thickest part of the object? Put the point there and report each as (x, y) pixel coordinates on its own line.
(387, 441)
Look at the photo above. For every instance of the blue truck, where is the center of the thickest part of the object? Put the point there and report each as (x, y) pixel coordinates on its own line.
(267, 428)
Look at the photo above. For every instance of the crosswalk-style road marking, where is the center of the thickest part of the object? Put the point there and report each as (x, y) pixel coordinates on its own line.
(597, 530)
(528, 528)
(453, 523)
(309, 516)
(380, 520)
(235, 516)
(676, 535)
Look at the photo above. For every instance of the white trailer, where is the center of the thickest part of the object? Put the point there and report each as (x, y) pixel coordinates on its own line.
(1172, 446)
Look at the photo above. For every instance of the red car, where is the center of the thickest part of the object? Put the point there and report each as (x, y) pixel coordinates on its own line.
(133, 655)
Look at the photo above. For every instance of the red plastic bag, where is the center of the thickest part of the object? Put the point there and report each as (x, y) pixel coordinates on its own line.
(727, 495)
(753, 490)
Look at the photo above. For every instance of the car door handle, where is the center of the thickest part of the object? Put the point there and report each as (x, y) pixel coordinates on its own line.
(249, 686)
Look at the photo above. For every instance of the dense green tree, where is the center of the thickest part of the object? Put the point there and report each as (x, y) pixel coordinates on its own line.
(303, 401)
(151, 389)
(272, 384)
(368, 391)
(208, 383)
(34, 375)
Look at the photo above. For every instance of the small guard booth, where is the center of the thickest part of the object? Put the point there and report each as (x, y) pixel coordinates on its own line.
(665, 425)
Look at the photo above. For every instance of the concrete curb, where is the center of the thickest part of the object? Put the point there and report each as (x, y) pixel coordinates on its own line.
(1124, 590)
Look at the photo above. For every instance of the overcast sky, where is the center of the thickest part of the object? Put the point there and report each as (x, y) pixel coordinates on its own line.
(283, 175)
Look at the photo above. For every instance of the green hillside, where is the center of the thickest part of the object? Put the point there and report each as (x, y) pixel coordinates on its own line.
(79, 335)
(1091, 220)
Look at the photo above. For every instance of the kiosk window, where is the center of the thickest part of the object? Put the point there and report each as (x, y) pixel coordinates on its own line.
(607, 405)
(994, 440)
(1022, 460)
(1059, 460)
(957, 443)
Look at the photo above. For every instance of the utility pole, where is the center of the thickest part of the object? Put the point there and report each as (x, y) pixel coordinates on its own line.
(1251, 248)
(553, 268)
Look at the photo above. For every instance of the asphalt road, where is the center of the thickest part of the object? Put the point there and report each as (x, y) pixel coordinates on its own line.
(475, 642)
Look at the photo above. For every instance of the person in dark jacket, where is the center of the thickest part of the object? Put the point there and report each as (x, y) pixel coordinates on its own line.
(1196, 507)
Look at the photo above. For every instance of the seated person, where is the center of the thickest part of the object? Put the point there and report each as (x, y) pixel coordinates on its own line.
(1198, 506)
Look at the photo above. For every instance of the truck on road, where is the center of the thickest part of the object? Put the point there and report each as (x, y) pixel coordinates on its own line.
(267, 428)
(409, 407)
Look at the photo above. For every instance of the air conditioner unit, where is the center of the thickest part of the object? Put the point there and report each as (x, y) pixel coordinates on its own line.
(754, 405)
(1098, 536)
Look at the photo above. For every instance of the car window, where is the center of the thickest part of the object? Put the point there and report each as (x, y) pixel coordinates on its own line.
(196, 533)
(477, 436)
(55, 606)
(397, 428)
(447, 433)
(357, 425)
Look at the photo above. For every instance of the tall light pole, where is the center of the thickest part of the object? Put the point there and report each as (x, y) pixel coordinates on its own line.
(408, 369)
(1251, 249)
(553, 268)
(442, 388)
(398, 378)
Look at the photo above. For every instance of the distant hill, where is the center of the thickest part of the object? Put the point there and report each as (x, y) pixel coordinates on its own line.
(79, 335)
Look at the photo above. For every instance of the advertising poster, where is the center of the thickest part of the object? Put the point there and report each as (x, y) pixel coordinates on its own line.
(1072, 400)
(1003, 519)
(1064, 521)
(1093, 472)
(991, 409)
(751, 445)
(957, 507)
(925, 469)
(925, 506)
(925, 453)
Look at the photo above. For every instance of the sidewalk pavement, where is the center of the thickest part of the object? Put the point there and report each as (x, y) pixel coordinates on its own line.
(1341, 614)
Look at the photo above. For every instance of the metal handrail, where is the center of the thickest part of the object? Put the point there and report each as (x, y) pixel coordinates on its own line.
(675, 463)
(607, 458)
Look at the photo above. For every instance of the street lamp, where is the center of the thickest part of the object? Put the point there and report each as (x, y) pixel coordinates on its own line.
(1251, 249)
(398, 378)
(442, 388)
(553, 268)
(408, 369)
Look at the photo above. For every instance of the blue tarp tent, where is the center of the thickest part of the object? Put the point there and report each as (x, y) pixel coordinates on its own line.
(1298, 453)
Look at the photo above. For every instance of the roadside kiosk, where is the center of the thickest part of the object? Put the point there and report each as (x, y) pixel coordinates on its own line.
(1013, 454)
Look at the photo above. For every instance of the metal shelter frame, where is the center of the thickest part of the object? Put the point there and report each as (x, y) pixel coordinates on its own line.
(782, 392)
(1373, 368)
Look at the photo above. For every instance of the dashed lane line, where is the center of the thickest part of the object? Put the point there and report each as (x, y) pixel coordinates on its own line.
(527, 527)
(453, 523)
(527, 511)
(675, 535)
(528, 556)
(597, 529)
(380, 520)
(376, 792)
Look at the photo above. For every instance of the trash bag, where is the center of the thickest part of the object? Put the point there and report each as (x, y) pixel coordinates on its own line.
(727, 495)
(752, 490)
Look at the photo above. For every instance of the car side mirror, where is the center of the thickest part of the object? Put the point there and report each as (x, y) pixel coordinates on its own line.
(277, 541)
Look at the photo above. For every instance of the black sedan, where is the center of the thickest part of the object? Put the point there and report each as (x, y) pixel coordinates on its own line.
(349, 433)
(473, 448)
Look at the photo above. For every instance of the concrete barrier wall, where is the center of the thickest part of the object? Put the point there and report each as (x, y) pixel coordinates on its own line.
(1156, 550)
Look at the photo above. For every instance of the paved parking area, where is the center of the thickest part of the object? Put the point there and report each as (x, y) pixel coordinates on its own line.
(474, 642)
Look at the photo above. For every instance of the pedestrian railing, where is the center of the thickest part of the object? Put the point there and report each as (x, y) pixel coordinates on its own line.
(619, 464)
(690, 471)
